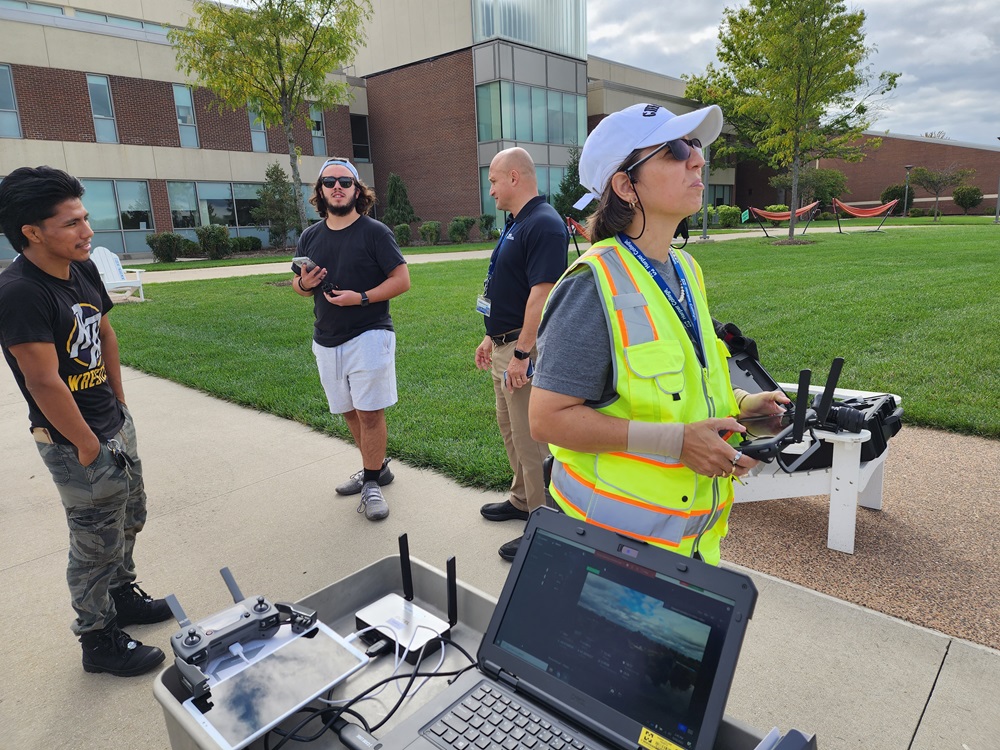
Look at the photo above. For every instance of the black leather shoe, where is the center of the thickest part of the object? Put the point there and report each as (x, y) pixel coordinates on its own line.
(509, 550)
(504, 511)
(114, 651)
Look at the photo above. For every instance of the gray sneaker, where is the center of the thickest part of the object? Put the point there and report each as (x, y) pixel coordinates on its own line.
(353, 485)
(372, 502)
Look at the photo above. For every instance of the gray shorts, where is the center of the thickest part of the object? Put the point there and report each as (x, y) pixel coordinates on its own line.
(360, 373)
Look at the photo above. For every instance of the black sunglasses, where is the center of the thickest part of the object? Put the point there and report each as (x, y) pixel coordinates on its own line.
(680, 149)
(345, 182)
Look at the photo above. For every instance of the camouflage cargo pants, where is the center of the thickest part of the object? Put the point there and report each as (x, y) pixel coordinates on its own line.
(105, 509)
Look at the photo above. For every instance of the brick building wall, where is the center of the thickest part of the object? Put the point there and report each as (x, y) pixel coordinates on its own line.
(144, 112)
(422, 127)
(160, 204)
(337, 126)
(887, 166)
(54, 104)
(220, 128)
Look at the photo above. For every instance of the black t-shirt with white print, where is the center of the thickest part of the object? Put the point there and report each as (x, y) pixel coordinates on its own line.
(38, 308)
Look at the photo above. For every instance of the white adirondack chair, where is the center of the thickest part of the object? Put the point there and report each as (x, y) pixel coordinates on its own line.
(114, 276)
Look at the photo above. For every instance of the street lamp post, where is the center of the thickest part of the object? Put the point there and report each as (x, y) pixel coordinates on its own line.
(906, 189)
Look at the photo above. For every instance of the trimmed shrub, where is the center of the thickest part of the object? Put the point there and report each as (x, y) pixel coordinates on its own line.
(245, 244)
(486, 224)
(917, 212)
(776, 208)
(166, 246)
(190, 249)
(967, 197)
(214, 240)
(430, 232)
(459, 228)
(827, 216)
(403, 234)
(729, 216)
(898, 192)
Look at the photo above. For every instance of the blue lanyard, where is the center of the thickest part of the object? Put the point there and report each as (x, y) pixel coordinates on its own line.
(496, 254)
(689, 316)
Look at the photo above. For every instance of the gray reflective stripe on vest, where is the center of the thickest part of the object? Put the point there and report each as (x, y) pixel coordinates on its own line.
(628, 300)
(623, 516)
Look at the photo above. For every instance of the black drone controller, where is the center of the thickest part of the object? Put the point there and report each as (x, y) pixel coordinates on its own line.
(771, 434)
(251, 618)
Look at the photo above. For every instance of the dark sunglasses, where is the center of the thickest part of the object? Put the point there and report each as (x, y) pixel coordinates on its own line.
(345, 182)
(680, 149)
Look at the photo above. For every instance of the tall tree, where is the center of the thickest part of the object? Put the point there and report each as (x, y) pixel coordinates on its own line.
(398, 209)
(936, 181)
(276, 206)
(274, 56)
(794, 84)
(570, 189)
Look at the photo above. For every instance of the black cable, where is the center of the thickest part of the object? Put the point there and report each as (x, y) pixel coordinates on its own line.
(337, 711)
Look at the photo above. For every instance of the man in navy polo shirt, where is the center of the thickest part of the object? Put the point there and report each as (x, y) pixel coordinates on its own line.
(529, 258)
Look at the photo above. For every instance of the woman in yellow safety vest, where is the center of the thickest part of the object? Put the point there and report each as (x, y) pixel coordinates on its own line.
(631, 388)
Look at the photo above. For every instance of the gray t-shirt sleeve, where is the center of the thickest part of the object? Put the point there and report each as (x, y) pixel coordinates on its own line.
(574, 345)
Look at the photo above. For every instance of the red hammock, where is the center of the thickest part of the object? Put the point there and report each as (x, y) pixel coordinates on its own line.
(575, 228)
(864, 213)
(759, 213)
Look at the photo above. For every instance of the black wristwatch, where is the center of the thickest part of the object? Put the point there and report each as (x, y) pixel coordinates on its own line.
(518, 354)
(364, 299)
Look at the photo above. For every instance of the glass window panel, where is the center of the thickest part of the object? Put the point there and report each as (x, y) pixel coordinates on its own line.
(316, 116)
(484, 112)
(184, 105)
(6, 89)
(258, 141)
(555, 117)
(311, 215)
(135, 242)
(95, 17)
(359, 138)
(154, 28)
(99, 200)
(128, 23)
(50, 10)
(245, 195)
(111, 240)
(183, 204)
(319, 145)
(15, 4)
(539, 116)
(569, 119)
(581, 120)
(133, 202)
(104, 129)
(522, 112)
(100, 96)
(506, 109)
(215, 203)
(542, 174)
(189, 136)
(9, 127)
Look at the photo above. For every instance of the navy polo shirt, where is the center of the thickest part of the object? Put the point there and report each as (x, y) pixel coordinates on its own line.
(532, 250)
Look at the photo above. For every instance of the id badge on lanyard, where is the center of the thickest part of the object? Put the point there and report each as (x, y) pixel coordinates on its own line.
(483, 304)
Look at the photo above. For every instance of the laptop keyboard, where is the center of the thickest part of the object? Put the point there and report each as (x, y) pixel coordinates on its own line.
(487, 719)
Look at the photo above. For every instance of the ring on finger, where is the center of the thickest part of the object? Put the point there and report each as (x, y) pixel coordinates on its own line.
(736, 457)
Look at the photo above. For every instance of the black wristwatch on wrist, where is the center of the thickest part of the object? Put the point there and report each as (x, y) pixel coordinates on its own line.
(364, 299)
(518, 354)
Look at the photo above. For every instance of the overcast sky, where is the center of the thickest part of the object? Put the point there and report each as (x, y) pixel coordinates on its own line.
(947, 52)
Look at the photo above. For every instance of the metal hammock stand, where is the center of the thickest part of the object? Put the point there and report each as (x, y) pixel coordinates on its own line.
(864, 213)
(759, 213)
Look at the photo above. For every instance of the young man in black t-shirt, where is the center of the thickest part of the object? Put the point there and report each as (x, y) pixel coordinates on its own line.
(355, 269)
(59, 344)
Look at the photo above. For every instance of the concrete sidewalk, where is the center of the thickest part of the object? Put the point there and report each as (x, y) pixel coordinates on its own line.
(232, 486)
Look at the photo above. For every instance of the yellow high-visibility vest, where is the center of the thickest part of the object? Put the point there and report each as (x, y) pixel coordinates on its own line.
(658, 378)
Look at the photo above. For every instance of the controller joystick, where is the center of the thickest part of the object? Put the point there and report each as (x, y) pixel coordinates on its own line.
(192, 637)
(261, 605)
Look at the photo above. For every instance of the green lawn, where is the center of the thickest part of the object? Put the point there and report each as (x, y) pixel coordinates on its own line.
(913, 313)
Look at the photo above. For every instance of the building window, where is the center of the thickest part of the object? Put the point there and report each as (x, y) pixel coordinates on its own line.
(359, 137)
(561, 28)
(102, 109)
(186, 124)
(49, 10)
(513, 111)
(120, 214)
(198, 204)
(318, 131)
(258, 135)
(10, 126)
(125, 23)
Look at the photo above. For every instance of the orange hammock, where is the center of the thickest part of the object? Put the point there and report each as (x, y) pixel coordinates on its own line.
(575, 229)
(864, 213)
(759, 214)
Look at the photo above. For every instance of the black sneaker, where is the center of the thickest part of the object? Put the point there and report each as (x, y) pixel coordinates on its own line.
(114, 651)
(356, 481)
(136, 607)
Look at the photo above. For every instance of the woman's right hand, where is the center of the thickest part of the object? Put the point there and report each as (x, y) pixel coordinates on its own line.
(705, 452)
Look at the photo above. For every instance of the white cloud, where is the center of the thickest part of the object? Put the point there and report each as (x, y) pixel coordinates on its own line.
(948, 54)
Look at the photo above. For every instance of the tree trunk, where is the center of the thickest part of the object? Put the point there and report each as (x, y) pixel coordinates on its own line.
(293, 161)
(794, 201)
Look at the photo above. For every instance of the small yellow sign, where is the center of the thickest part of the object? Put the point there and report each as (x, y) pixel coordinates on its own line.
(653, 741)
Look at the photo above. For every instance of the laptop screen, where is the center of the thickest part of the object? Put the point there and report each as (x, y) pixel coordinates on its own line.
(644, 644)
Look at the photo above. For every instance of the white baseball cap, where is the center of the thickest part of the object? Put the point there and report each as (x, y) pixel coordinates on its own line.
(637, 127)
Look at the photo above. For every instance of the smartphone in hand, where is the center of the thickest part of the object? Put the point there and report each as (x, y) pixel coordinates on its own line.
(304, 262)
